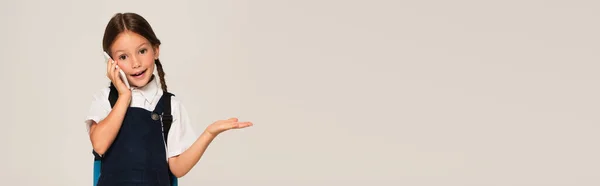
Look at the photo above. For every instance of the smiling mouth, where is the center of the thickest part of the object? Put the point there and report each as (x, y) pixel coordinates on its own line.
(139, 74)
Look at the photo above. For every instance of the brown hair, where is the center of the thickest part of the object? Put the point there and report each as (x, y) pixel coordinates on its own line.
(133, 22)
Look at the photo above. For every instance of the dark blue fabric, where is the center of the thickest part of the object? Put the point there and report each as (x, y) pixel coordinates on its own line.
(137, 156)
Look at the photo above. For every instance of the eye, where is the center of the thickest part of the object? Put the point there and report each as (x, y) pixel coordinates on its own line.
(143, 51)
(122, 57)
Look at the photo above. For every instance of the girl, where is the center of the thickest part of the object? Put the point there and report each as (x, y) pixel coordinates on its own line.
(127, 133)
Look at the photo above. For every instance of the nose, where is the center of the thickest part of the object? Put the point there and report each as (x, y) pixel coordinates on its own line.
(135, 62)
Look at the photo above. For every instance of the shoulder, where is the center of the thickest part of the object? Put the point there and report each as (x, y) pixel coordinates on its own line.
(101, 94)
(99, 107)
(175, 101)
(100, 99)
(178, 109)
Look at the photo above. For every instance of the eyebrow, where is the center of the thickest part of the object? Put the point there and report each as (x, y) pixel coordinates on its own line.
(137, 47)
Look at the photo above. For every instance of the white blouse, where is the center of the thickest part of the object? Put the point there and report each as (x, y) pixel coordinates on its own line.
(181, 135)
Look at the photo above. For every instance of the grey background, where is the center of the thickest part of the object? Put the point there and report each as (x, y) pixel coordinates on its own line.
(341, 92)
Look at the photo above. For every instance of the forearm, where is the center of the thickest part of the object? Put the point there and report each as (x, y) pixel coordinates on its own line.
(104, 133)
(182, 164)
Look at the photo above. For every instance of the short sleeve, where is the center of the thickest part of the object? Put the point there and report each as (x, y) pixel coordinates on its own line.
(99, 108)
(181, 135)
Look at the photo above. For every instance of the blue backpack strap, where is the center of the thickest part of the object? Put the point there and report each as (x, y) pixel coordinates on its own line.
(97, 166)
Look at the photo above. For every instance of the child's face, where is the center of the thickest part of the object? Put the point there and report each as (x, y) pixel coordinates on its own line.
(135, 56)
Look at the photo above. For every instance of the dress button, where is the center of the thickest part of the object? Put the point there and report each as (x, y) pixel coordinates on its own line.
(155, 116)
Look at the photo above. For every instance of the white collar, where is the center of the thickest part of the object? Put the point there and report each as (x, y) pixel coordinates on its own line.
(150, 90)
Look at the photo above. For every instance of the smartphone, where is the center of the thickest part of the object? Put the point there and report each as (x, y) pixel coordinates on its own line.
(121, 73)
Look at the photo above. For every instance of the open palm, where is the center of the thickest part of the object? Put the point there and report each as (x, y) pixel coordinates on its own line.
(224, 125)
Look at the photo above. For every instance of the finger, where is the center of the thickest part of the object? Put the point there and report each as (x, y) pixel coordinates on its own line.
(108, 70)
(233, 125)
(246, 124)
(232, 120)
(111, 67)
(238, 125)
(115, 75)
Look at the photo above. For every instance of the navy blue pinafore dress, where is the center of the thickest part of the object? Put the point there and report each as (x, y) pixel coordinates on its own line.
(137, 156)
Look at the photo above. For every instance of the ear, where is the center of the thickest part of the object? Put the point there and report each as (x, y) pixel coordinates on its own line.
(156, 52)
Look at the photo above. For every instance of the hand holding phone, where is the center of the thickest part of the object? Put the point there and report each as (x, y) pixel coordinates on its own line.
(121, 73)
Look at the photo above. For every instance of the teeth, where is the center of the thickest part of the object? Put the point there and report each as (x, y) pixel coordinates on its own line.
(139, 73)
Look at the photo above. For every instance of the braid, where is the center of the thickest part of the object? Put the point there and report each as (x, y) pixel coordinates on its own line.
(161, 75)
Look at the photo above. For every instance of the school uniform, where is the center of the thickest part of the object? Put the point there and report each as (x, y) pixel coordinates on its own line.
(139, 154)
